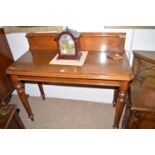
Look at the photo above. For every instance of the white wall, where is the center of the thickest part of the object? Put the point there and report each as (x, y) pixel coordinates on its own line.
(142, 40)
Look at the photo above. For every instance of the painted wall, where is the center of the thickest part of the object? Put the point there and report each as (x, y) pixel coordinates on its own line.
(135, 39)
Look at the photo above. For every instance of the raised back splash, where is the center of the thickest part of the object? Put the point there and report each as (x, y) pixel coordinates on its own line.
(89, 41)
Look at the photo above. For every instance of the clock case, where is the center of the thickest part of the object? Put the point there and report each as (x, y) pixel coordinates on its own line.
(75, 36)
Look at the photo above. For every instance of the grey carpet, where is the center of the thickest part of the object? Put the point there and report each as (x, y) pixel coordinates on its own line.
(66, 114)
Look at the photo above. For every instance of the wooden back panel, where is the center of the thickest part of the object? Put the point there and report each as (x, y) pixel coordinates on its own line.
(89, 41)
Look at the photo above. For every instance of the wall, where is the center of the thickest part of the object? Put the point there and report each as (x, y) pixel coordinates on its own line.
(135, 39)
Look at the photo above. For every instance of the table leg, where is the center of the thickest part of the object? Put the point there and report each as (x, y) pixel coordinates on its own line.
(116, 91)
(122, 96)
(41, 90)
(21, 94)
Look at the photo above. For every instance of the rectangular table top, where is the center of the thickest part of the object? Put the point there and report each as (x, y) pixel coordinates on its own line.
(96, 66)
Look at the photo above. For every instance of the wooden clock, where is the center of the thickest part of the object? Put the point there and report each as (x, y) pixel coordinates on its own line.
(68, 45)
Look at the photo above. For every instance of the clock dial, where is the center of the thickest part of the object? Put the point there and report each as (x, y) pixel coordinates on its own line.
(67, 45)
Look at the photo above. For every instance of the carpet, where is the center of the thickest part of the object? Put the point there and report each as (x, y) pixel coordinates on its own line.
(56, 113)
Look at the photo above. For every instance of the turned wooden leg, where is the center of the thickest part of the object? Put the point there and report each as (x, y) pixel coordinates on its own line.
(116, 91)
(41, 90)
(27, 95)
(121, 99)
(21, 93)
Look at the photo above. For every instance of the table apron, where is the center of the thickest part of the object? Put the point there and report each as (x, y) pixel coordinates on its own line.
(76, 81)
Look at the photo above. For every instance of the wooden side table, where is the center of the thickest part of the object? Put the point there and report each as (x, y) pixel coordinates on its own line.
(97, 71)
(140, 110)
(9, 118)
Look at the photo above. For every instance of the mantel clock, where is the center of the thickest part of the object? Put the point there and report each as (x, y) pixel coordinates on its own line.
(68, 45)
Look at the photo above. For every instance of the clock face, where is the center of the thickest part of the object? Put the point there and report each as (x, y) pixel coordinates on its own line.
(67, 45)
